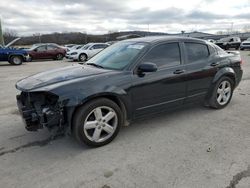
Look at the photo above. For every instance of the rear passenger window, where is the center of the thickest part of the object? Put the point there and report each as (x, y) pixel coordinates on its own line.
(211, 50)
(196, 52)
(164, 55)
(99, 46)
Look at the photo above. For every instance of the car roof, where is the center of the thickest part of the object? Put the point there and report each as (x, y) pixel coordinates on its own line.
(157, 39)
(92, 43)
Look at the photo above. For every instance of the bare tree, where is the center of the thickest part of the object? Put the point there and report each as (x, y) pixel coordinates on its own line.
(246, 28)
(9, 35)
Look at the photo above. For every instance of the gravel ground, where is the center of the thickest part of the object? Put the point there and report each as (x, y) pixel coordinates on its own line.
(193, 147)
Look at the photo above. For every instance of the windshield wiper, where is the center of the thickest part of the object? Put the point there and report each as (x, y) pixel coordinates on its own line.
(95, 65)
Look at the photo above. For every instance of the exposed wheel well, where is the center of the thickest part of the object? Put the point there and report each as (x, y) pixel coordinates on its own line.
(110, 97)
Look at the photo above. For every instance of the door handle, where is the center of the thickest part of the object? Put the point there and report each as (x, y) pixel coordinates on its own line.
(178, 71)
(214, 64)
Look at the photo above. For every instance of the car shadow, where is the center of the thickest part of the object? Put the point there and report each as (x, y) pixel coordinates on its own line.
(9, 65)
(64, 143)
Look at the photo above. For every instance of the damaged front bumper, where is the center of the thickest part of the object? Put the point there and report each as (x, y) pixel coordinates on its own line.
(40, 110)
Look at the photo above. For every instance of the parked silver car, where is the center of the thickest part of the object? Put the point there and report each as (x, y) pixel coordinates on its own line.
(245, 44)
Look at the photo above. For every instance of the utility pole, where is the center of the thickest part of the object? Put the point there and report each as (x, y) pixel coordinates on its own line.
(148, 29)
(1, 35)
(232, 27)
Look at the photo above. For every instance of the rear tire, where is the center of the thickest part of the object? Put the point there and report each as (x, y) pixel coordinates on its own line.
(97, 122)
(16, 60)
(59, 57)
(222, 93)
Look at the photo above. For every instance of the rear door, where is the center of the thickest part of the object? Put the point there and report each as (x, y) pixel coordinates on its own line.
(201, 66)
(51, 51)
(163, 89)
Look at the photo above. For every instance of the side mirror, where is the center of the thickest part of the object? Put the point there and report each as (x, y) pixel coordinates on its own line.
(147, 67)
(35, 50)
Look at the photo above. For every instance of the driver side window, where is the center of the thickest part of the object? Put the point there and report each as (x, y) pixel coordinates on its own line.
(164, 55)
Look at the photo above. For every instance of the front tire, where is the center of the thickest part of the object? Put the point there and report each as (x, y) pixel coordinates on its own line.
(16, 60)
(222, 93)
(97, 122)
(82, 57)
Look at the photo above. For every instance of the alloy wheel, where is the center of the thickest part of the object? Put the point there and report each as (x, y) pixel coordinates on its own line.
(59, 57)
(83, 57)
(17, 60)
(224, 92)
(100, 124)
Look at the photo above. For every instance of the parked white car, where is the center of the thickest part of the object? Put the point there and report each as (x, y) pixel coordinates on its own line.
(245, 44)
(74, 48)
(86, 52)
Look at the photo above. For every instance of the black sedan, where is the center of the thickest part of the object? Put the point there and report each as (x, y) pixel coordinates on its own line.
(128, 80)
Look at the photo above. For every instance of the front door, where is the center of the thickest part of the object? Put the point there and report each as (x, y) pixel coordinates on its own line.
(163, 89)
(41, 52)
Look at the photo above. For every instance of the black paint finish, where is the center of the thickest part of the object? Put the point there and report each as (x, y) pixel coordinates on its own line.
(138, 94)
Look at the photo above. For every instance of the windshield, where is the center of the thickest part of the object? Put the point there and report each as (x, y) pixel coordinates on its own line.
(85, 47)
(118, 56)
(76, 47)
(248, 39)
(224, 39)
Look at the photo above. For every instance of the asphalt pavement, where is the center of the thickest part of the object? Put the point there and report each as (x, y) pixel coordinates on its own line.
(193, 147)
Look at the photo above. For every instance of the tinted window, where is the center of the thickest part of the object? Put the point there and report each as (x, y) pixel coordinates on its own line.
(99, 46)
(196, 52)
(119, 55)
(41, 48)
(219, 50)
(50, 47)
(211, 50)
(164, 55)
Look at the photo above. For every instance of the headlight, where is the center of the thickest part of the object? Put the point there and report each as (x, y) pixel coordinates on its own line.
(74, 53)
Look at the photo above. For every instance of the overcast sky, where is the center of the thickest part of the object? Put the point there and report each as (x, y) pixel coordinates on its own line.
(100, 16)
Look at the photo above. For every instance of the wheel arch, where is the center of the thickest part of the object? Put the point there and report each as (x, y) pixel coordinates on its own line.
(82, 53)
(111, 96)
(226, 71)
(11, 55)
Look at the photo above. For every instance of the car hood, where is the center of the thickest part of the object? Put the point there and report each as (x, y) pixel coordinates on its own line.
(246, 41)
(58, 75)
(71, 51)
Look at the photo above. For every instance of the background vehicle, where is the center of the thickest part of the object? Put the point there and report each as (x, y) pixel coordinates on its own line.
(128, 80)
(68, 46)
(87, 51)
(245, 44)
(46, 51)
(229, 42)
(211, 40)
(73, 49)
(12, 55)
